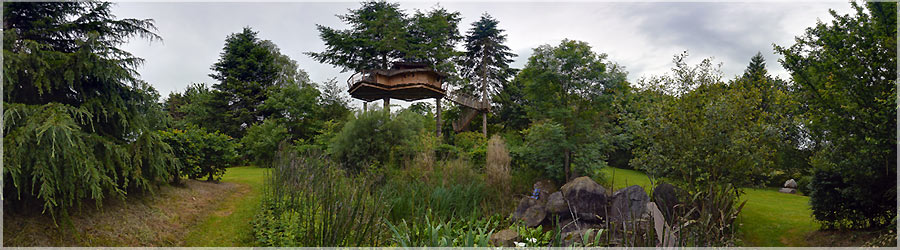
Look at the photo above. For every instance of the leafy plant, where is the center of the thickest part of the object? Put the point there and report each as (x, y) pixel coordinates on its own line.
(376, 136)
(262, 140)
(451, 233)
(202, 154)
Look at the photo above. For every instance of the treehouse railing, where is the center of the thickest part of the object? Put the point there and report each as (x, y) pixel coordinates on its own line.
(359, 77)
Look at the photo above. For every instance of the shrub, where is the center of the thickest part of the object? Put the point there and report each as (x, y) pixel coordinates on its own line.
(201, 153)
(375, 137)
(262, 140)
(310, 201)
(543, 142)
(472, 145)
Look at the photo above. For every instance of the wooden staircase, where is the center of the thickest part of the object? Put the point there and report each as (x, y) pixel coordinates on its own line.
(471, 107)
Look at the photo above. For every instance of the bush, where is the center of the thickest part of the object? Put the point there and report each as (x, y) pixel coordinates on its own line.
(472, 145)
(375, 137)
(543, 142)
(201, 153)
(262, 140)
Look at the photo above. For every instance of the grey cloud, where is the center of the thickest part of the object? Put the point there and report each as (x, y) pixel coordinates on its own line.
(642, 37)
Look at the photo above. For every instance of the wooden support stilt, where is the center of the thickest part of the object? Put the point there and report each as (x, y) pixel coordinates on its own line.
(387, 104)
(437, 115)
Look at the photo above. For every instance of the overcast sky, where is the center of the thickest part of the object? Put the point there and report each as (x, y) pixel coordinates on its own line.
(642, 37)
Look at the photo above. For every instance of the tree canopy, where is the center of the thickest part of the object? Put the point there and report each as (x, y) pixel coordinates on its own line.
(78, 122)
(381, 34)
(846, 73)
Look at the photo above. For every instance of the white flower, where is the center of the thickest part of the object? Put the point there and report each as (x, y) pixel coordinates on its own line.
(519, 244)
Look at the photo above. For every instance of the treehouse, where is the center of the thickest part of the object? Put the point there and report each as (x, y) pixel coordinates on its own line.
(405, 81)
(410, 82)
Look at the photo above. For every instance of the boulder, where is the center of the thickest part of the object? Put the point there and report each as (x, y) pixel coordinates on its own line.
(534, 216)
(556, 205)
(665, 196)
(790, 184)
(628, 204)
(524, 204)
(544, 188)
(586, 198)
(788, 190)
(504, 238)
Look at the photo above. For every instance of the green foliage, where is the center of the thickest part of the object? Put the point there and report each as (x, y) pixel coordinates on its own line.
(200, 106)
(294, 107)
(700, 131)
(486, 60)
(262, 140)
(77, 122)
(570, 85)
(311, 202)
(201, 153)
(246, 71)
(382, 34)
(534, 236)
(374, 137)
(473, 146)
(846, 74)
(450, 233)
(544, 142)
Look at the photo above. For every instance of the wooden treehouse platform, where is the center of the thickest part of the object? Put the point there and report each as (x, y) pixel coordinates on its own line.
(408, 82)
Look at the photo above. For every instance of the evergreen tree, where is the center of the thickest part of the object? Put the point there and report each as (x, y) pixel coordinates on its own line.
(378, 38)
(78, 122)
(487, 58)
(246, 71)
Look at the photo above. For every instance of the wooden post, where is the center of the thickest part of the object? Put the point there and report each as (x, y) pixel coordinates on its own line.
(365, 106)
(437, 115)
(387, 104)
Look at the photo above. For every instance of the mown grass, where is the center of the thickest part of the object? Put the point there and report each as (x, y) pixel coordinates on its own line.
(769, 219)
(621, 178)
(229, 225)
(774, 219)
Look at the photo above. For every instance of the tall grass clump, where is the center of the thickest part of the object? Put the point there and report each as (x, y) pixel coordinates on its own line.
(310, 201)
(497, 168)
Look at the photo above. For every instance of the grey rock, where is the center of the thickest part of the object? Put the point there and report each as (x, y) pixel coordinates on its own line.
(628, 204)
(504, 238)
(534, 216)
(524, 204)
(586, 198)
(665, 196)
(556, 205)
(790, 184)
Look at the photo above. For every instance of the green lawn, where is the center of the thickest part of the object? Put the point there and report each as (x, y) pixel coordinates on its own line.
(229, 226)
(770, 218)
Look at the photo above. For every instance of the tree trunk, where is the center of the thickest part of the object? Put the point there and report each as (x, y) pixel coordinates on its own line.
(365, 106)
(437, 115)
(387, 104)
(484, 102)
